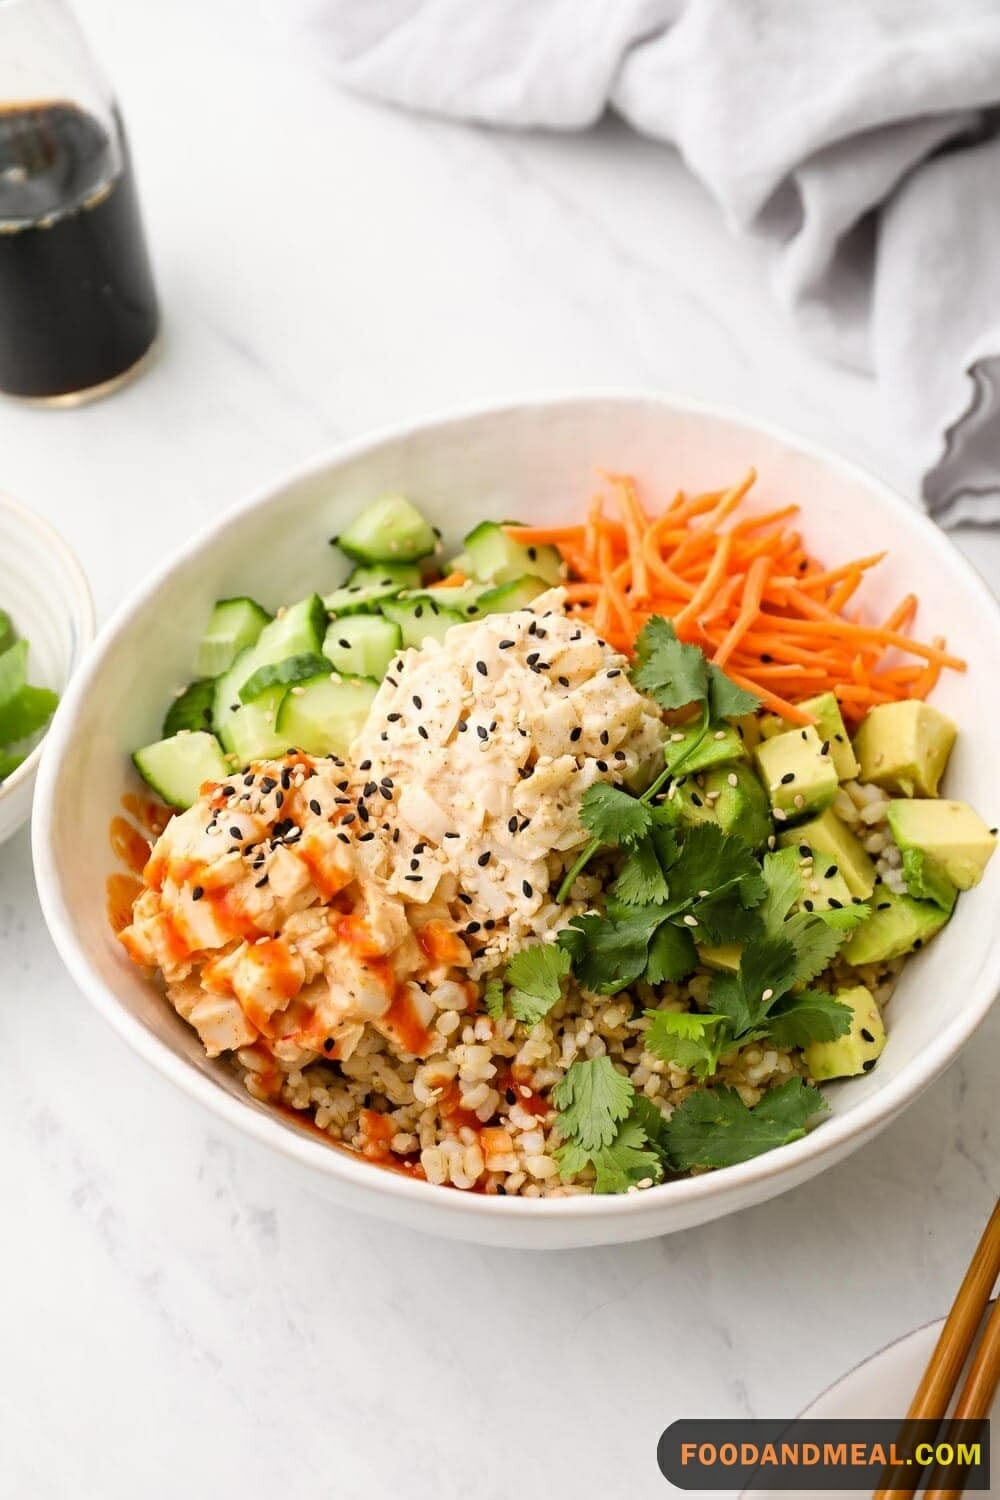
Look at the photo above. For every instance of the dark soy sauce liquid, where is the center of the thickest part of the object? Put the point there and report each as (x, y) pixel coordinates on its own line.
(77, 304)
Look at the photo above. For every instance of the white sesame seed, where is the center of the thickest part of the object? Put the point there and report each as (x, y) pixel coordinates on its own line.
(297, 692)
(676, 737)
(691, 921)
(733, 779)
(799, 800)
(767, 995)
(780, 814)
(720, 734)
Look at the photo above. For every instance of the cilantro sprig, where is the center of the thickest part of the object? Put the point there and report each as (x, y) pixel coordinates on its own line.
(627, 1140)
(675, 676)
(531, 984)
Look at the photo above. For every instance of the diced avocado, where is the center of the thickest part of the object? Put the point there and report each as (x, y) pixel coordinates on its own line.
(494, 555)
(718, 746)
(951, 835)
(825, 710)
(740, 802)
(724, 956)
(730, 796)
(897, 925)
(905, 747)
(798, 773)
(824, 887)
(828, 836)
(747, 726)
(390, 530)
(926, 880)
(858, 1049)
(829, 722)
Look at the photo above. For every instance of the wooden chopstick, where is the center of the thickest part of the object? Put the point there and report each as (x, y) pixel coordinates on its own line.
(937, 1386)
(977, 1393)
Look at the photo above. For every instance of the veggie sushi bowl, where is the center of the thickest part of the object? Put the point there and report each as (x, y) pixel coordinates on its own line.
(542, 884)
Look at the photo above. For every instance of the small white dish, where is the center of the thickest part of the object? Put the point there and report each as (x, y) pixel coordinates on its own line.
(537, 459)
(44, 591)
(882, 1386)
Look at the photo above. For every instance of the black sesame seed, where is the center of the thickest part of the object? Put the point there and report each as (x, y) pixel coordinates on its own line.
(824, 749)
(365, 765)
(804, 735)
(197, 893)
(387, 782)
(532, 657)
(563, 682)
(484, 859)
(510, 1096)
(867, 1066)
(345, 644)
(831, 872)
(615, 672)
(422, 732)
(883, 906)
(370, 788)
(286, 779)
(506, 645)
(279, 798)
(867, 1034)
(350, 818)
(391, 680)
(808, 905)
(918, 943)
(395, 835)
(482, 731)
(512, 824)
(533, 553)
(343, 838)
(481, 669)
(314, 806)
(473, 927)
(417, 701)
(235, 833)
(837, 905)
(262, 881)
(393, 718)
(620, 755)
(462, 726)
(605, 737)
(366, 838)
(575, 734)
(696, 800)
(419, 611)
(788, 778)
(526, 888)
(328, 1044)
(602, 765)
(413, 877)
(805, 851)
(766, 656)
(452, 835)
(465, 900)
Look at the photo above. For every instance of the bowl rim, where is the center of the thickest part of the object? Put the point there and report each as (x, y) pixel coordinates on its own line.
(81, 605)
(302, 1147)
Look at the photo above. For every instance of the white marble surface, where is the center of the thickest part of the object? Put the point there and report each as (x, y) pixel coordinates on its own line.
(175, 1317)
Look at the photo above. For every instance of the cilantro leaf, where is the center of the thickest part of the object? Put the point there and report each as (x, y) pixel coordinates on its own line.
(689, 1039)
(714, 1128)
(726, 699)
(815, 942)
(726, 920)
(609, 952)
(669, 672)
(592, 1099)
(533, 977)
(809, 1016)
(783, 878)
(611, 815)
(672, 955)
(766, 972)
(493, 998)
(710, 860)
(650, 1117)
(625, 1162)
(641, 878)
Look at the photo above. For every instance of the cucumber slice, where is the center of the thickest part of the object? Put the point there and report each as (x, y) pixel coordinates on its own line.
(507, 597)
(367, 587)
(233, 625)
(362, 645)
(177, 768)
(283, 673)
(323, 717)
(253, 729)
(388, 530)
(420, 618)
(192, 710)
(497, 557)
(8, 635)
(297, 632)
(463, 597)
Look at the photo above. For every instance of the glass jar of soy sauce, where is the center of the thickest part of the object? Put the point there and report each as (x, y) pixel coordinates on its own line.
(78, 308)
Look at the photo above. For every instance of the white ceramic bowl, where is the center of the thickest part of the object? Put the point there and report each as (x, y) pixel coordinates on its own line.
(535, 459)
(46, 595)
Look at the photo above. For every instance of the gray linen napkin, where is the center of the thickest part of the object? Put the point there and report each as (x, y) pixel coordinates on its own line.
(860, 138)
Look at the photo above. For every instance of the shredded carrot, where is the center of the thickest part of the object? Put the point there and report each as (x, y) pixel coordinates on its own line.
(747, 591)
(452, 580)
